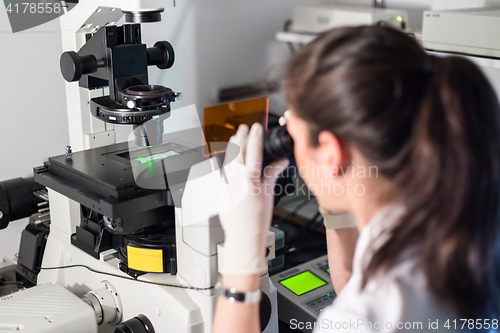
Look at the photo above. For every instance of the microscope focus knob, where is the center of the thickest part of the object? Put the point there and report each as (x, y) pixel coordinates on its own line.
(162, 55)
(73, 66)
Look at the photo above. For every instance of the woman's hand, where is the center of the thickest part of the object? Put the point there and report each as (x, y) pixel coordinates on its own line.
(246, 203)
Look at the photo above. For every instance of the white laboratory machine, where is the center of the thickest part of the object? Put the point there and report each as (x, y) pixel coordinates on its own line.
(308, 21)
(316, 19)
(471, 31)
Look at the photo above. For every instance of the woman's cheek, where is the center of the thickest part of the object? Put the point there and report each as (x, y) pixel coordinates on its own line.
(301, 158)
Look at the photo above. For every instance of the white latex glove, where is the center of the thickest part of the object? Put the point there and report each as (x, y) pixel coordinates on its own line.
(246, 203)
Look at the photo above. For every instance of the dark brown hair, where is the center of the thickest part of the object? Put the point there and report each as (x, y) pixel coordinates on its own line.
(432, 127)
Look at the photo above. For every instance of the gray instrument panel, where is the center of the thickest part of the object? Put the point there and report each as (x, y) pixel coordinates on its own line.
(304, 303)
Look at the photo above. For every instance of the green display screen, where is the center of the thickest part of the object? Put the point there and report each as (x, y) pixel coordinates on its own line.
(302, 283)
(156, 157)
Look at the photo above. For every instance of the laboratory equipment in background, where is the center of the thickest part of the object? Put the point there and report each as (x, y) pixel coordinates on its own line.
(308, 21)
(303, 292)
(316, 19)
(471, 31)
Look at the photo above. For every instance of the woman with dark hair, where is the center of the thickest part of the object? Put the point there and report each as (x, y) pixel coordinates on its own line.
(428, 251)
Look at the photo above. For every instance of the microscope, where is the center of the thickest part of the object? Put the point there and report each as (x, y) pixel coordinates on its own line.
(124, 240)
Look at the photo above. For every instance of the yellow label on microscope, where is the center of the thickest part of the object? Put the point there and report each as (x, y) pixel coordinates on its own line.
(145, 260)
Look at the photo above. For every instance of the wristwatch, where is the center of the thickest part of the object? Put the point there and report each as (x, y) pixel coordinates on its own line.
(337, 220)
(249, 297)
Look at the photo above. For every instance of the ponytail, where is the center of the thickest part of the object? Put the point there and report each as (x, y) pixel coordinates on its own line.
(432, 127)
(451, 189)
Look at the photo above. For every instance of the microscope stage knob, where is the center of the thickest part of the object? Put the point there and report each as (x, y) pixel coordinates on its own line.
(73, 66)
(162, 55)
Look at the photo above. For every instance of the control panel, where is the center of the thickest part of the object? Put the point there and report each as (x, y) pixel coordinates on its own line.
(304, 291)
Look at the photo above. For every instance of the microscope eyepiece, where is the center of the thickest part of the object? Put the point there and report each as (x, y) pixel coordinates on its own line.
(278, 144)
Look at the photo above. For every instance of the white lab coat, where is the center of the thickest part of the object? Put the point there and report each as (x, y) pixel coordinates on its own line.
(397, 300)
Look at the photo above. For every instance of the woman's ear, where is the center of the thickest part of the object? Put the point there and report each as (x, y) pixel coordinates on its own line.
(331, 151)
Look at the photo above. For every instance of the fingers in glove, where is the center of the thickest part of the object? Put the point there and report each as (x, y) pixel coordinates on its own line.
(271, 172)
(255, 151)
(282, 121)
(237, 142)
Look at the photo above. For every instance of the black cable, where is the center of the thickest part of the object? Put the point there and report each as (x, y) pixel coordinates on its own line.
(125, 277)
(4, 282)
(9, 283)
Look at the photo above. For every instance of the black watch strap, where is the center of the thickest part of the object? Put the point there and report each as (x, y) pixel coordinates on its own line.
(249, 297)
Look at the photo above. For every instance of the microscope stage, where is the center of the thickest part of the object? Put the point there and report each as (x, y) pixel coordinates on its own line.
(109, 170)
(117, 181)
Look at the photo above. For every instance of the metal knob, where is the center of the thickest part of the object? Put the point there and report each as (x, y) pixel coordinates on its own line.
(73, 66)
(139, 324)
(162, 55)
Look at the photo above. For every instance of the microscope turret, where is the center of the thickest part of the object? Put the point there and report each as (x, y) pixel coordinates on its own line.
(115, 57)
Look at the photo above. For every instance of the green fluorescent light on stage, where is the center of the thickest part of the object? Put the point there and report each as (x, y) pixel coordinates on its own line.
(303, 283)
(156, 157)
